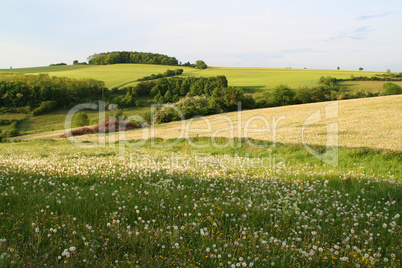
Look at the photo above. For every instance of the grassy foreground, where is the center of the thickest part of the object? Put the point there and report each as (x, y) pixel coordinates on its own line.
(149, 207)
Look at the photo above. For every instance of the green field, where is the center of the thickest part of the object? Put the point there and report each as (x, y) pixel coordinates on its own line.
(255, 79)
(370, 86)
(215, 197)
(63, 205)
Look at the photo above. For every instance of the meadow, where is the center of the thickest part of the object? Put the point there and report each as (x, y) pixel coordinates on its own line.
(256, 80)
(72, 206)
(219, 194)
(197, 203)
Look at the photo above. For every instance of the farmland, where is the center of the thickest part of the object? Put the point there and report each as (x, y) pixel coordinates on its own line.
(256, 79)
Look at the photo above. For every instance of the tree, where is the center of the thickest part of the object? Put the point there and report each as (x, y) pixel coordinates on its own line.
(158, 98)
(283, 95)
(304, 95)
(168, 97)
(201, 64)
(360, 68)
(338, 68)
(75, 62)
(81, 119)
(391, 89)
(320, 93)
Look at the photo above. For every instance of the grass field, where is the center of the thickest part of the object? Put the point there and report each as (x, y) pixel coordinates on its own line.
(371, 86)
(211, 191)
(256, 79)
(71, 206)
(157, 205)
(370, 122)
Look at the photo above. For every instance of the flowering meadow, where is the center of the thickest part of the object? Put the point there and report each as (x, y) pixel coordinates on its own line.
(77, 207)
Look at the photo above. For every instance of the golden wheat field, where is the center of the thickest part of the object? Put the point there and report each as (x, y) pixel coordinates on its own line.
(370, 122)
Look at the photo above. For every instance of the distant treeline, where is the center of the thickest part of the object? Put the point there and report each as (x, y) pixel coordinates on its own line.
(377, 77)
(139, 57)
(42, 93)
(168, 73)
(131, 57)
(327, 89)
(58, 64)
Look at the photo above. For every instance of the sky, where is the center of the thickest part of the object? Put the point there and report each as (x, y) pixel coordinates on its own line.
(237, 33)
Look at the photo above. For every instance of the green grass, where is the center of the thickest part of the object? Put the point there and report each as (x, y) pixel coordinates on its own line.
(371, 86)
(373, 162)
(12, 116)
(255, 79)
(69, 206)
(46, 69)
(56, 120)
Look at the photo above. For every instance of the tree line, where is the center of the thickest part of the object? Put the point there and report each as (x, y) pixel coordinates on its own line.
(42, 93)
(166, 90)
(138, 57)
(168, 73)
(131, 57)
(327, 89)
(225, 99)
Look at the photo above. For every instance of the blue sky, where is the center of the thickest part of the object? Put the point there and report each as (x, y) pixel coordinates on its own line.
(254, 33)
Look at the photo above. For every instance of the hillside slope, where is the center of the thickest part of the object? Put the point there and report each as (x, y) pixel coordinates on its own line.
(370, 122)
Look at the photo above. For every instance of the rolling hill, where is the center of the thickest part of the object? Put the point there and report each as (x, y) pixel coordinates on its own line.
(255, 79)
(370, 122)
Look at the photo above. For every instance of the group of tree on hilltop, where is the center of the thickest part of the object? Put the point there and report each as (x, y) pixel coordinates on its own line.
(139, 57)
(131, 57)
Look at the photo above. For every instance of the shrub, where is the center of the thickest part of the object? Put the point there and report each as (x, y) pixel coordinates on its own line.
(391, 89)
(304, 95)
(320, 93)
(81, 119)
(248, 102)
(283, 95)
(44, 107)
(14, 133)
(201, 64)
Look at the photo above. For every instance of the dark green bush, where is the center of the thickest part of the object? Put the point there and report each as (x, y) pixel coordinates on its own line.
(391, 89)
(44, 107)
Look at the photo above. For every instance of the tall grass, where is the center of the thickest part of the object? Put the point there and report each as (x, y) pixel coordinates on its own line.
(62, 205)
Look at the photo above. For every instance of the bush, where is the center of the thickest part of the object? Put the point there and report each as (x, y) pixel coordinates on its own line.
(14, 133)
(166, 114)
(3, 137)
(304, 95)
(201, 64)
(391, 89)
(44, 107)
(248, 102)
(320, 93)
(81, 119)
(283, 95)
